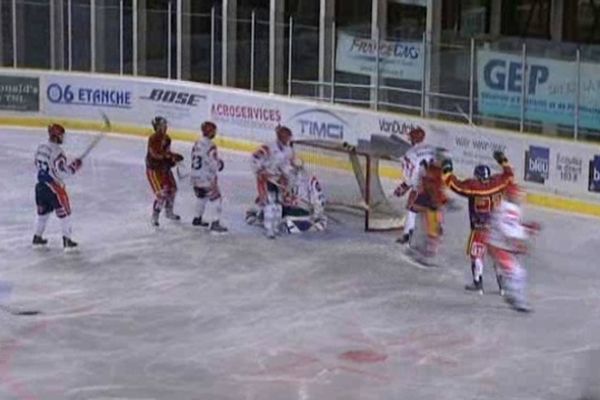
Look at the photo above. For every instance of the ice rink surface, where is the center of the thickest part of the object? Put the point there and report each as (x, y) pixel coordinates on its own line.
(178, 314)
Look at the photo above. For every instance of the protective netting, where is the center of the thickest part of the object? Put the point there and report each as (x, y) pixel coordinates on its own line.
(351, 181)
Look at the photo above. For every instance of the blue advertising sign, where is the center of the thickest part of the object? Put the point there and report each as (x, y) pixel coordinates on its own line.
(537, 164)
(594, 179)
(550, 87)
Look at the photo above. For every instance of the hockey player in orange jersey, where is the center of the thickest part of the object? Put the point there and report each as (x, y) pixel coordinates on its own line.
(428, 204)
(484, 193)
(159, 161)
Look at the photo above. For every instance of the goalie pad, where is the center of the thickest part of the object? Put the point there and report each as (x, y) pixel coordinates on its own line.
(299, 220)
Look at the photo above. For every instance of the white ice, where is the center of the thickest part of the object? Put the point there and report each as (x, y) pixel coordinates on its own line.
(178, 314)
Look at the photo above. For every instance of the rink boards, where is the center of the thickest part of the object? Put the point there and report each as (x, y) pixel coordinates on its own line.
(558, 173)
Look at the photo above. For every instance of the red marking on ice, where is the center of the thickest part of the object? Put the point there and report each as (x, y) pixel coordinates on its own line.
(304, 366)
(363, 356)
(7, 353)
(302, 360)
(378, 377)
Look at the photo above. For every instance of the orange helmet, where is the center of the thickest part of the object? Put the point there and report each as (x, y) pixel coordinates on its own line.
(416, 135)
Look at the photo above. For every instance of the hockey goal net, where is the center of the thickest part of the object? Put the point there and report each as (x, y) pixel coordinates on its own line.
(352, 182)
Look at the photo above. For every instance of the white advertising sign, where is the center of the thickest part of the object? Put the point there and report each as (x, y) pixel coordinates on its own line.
(558, 167)
(398, 60)
(253, 117)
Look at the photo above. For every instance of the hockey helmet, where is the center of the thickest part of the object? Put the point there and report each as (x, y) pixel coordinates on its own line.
(440, 154)
(297, 164)
(209, 129)
(482, 172)
(159, 122)
(284, 134)
(416, 135)
(56, 133)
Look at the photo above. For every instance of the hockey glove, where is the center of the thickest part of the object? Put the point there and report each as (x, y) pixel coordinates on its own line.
(401, 190)
(500, 157)
(447, 166)
(75, 165)
(176, 157)
(533, 226)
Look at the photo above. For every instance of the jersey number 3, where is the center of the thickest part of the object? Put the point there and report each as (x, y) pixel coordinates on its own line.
(196, 162)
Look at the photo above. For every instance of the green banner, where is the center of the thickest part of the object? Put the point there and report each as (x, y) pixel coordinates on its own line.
(19, 93)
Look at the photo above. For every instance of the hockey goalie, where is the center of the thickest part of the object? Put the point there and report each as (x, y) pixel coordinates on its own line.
(303, 202)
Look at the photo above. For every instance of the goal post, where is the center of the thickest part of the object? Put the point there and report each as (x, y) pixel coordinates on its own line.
(352, 181)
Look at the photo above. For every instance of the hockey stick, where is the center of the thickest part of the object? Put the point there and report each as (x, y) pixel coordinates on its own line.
(19, 312)
(469, 120)
(98, 137)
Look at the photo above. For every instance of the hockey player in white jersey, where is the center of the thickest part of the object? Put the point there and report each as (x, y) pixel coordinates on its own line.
(206, 165)
(303, 201)
(50, 190)
(418, 156)
(507, 240)
(271, 164)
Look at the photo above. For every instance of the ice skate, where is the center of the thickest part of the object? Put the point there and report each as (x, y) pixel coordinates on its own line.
(172, 216)
(253, 217)
(270, 233)
(198, 222)
(517, 304)
(421, 257)
(217, 229)
(39, 241)
(69, 245)
(405, 238)
(154, 219)
(476, 286)
(500, 281)
(426, 261)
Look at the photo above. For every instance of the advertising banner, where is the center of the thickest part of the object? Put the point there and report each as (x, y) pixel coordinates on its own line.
(135, 102)
(78, 96)
(184, 106)
(550, 89)
(547, 165)
(594, 175)
(19, 93)
(320, 123)
(397, 60)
